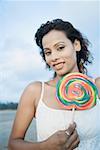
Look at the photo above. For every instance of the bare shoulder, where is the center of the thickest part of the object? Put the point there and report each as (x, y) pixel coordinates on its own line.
(33, 87)
(97, 82)
(31, 92)
(27, 106)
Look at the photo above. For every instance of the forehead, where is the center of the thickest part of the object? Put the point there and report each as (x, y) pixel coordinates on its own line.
(53, 37)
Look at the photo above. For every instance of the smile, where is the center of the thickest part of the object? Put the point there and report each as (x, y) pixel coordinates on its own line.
(58, 65)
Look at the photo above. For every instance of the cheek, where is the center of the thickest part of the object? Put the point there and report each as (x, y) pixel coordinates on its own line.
(71, 54)
(69, 51)
(71, 60)
(47, 59)
(74, 56)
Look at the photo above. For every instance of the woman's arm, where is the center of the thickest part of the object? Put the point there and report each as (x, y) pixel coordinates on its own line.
(97, 81)
(24, 116)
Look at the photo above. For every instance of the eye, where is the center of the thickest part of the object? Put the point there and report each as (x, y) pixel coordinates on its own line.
(47, 53)
(60, 48)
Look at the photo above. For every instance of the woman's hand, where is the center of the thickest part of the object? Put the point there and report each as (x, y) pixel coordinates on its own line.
(97, 81)
(63, 140)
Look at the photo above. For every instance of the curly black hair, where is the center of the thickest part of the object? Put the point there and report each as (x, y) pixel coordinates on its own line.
(83, 57)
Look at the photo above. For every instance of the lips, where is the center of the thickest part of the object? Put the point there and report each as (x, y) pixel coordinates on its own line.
(58, 65)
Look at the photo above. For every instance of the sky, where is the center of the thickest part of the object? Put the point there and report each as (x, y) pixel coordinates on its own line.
(20, 61)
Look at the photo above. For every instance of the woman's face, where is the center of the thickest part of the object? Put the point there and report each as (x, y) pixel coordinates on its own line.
(60, 52)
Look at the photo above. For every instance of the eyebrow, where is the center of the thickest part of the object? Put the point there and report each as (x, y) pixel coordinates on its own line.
(54, 45)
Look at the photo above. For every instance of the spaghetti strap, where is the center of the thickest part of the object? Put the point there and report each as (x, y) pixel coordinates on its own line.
(40, 99)
(42, 91)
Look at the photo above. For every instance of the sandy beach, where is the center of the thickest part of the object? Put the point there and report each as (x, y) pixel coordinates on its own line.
(6, 122)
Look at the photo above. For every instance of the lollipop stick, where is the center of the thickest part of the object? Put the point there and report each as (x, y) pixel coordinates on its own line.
(73, 114)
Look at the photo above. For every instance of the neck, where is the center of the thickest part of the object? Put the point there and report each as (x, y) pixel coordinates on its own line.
(74, 69)
(58, 77)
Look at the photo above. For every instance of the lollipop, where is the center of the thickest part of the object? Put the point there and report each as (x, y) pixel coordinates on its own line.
(77, 91)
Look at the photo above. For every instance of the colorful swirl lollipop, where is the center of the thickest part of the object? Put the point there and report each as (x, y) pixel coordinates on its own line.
(76, 90)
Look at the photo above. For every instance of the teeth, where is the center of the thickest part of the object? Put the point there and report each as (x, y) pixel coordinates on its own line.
(58, 63)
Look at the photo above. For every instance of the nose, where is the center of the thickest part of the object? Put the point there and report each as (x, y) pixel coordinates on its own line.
(55, 56)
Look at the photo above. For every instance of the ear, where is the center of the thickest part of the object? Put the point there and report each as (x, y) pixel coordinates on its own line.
(77, 45)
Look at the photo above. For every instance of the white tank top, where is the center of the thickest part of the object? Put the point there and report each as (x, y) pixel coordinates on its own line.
(49, 120)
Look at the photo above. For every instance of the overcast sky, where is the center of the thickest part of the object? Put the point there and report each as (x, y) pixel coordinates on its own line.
(20, 62)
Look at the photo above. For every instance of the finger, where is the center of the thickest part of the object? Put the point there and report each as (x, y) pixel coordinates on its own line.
(74, 144)
(72, 138)
(70, 129)
(67, 135)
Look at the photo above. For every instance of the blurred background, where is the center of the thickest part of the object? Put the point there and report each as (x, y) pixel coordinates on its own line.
(20, 61)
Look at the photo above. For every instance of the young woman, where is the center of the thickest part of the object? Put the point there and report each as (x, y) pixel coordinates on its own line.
(65, 50)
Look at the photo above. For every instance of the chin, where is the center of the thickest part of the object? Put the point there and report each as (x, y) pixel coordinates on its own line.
(62, 73)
